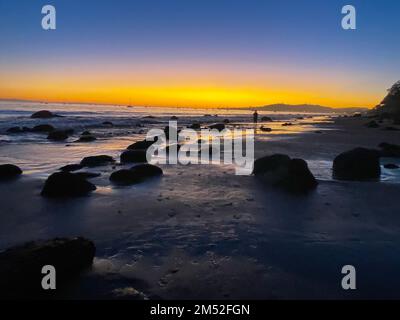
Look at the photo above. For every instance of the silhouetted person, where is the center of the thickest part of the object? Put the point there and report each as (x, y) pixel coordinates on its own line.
(255, 117)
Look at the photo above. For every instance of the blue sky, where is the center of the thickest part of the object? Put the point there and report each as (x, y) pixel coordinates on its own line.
(228, 36)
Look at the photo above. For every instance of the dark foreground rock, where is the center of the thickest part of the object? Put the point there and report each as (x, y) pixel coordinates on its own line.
(88, 175)
(66, 184)
(15, 130)
(389, 150)
(9, 171)
(195, 126)
(43, 114)
(58, 135)
(94, 161)
(372, 124)
(280, 170)
(136, 174)
(133, 156)
(357, 164)
(21, 267)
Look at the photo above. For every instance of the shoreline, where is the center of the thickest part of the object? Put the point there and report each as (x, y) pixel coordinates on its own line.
(241, 238)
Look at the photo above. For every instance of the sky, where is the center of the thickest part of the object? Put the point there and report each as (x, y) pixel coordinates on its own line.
(200, 53)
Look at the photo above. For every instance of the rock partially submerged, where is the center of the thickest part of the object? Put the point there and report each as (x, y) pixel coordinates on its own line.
(372, 124)
(86, 138)
(357, 164)
(71, 167)
(95, 161)
(58, 135)
(391, 166)
(389, 150)
(217, 126)
(136, 174)
(265, 129)
(66, 184)
(133, 156)
(43, 114)
(9, 171)
(43, 128)
(280, 170)
(21, 266)
(266, 119)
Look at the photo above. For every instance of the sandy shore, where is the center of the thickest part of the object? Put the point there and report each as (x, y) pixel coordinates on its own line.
(202, 232)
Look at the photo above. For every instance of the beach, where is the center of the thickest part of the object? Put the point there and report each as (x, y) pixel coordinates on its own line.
(202, 232)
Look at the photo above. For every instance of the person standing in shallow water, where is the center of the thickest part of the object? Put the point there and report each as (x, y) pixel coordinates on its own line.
(255, 116)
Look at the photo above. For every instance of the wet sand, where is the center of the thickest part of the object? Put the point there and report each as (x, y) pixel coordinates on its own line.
(202, 232)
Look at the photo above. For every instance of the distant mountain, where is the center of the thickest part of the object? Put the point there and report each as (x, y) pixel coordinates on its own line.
(307, 108)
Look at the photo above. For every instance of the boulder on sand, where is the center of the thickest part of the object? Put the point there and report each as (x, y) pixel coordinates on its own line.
(94, 161)
(389, 150)
(21, 266)
(136, 174)
(357, 164)
(43, 114)
(9, 171)
(66, 184)
(58, 135)
(134, 156)
(280, 170)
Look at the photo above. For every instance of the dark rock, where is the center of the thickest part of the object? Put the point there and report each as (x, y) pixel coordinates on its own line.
(15, 130)
(291, 175)
(94, 161)
(88, 175)
(287, 124)
(58, 135)
(43, 128)
(357, 164)
(43, 114)
(86, 138)
(391, 166)
(142, 145)
(265, 129)
(136, 174)
(299, 177)
(66, 184)
(270, 164)
(372, 124)
(217, 126)
(86, 133)
(266, 119)
(392, 129)
(71, 167)
(107, 123)
(226, 121)
(357, 115)
(174, 118)
(9, 171)
(389, 150)
(21, 267)
(133, 156)
(195, 126)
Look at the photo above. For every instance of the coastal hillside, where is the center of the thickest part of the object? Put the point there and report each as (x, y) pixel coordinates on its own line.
(390, 105)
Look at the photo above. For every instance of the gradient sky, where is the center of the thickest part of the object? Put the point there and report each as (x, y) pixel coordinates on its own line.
(200, 53)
